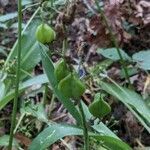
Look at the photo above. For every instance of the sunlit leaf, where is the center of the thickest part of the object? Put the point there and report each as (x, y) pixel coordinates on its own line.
(143, 59)
(112, 54)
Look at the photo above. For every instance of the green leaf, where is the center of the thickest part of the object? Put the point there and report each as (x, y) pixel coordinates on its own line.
(2, 89)
(30, 53)
(112, 143)
(51, 134)
(4, 140)
(143, 59)
(49, 70)
(13, 15)
(112, 54)
(36, 110)
(8, 16)
(26, 2)
(131, 71)
(57, 131)
(98, 127)
(60, 2)
(132, 101)
(3, 50)
(40, 79)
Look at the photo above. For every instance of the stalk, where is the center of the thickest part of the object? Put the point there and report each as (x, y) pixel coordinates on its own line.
(45, 95)
(15, 102)
(52, 3)
(85, 131)
(51, 105)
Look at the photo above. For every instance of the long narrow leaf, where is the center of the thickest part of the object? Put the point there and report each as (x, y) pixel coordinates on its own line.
(57, 131)
(132, 101)
(40, 79)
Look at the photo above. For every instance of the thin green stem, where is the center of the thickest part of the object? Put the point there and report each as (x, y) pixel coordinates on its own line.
(19, 121)
(114, 41)
(52, 3)
(42, 14)
(29, 6)
(85, 130)
(45, 95)
(64, 48)
(15, 103)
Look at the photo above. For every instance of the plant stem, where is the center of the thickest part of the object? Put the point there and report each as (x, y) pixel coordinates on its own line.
(85, 131)
(45, 95)
(64, 47)
(29, 6)
(51, 105)
(113, 39)
(52, 3)
(19, 121)
(15, 103)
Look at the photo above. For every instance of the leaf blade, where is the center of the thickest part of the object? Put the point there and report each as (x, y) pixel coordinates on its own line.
(57, 131)
(131, 100)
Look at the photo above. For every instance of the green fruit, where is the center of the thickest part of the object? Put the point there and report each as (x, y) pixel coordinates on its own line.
(45, 34)
(65, 86)
(61, 70)
(71, 87)
(78, 88)
(99, 108)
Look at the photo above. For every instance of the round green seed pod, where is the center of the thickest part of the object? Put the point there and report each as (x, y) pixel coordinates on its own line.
(78, 88)
(45, 34)
(71, 87)
(99, 108)
(61, 70)
(65, 87)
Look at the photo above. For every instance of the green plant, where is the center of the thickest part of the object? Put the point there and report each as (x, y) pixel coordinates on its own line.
(71, 87)
(45, 34)
(61, 70)
(13, 122)
(99, 108)
(61, 81)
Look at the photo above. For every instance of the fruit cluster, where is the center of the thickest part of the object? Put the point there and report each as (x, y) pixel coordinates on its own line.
(68, 82)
